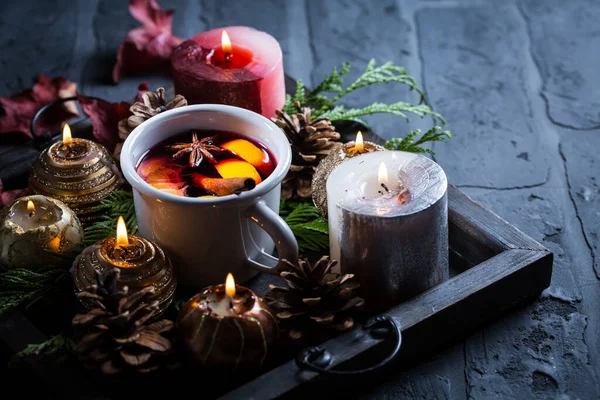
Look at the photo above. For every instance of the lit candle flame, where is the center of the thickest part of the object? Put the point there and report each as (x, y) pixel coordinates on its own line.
(225, 42)
(122, 239)
(30, 206)
(230, 285)
(358, 143)
(67, 138)
(382, 176)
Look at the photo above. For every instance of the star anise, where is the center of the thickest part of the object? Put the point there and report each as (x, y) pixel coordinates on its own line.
(198, 150)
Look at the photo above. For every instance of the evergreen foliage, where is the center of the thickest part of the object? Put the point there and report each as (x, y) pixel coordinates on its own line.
(412, 142)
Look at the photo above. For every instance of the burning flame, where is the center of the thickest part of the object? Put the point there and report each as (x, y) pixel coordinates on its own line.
(67, 138)
(229, 285)
(122, 239)
(358, 143)
(30, 206)
(382, 176)
(225, 42)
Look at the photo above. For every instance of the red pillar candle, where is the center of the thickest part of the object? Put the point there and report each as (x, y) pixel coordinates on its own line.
(242, 67)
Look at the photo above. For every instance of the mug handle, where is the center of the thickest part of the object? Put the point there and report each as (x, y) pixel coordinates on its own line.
(280, 232)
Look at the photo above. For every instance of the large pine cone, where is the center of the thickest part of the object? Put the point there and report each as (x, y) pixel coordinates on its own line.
(315, 299)
(153, 103)
(311, 141)
(119, 339)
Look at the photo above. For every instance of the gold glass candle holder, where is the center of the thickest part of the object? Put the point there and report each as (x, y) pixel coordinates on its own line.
(227, 327)
(37, 231)
(333, 159)
(78, 172)
(142, 263)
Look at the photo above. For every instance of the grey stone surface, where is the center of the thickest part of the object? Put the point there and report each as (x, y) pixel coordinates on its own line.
(582, 166)
(545, 349)
(565, 39)
(474, 73)
(29, 34)
(355, 31)
(518, 82)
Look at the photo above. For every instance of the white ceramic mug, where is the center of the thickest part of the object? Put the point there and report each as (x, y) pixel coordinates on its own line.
(207, 238)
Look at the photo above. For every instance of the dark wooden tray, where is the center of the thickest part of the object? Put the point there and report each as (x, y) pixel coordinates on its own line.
(494, 268)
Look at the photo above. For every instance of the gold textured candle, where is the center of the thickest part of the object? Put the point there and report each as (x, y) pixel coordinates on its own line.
(78, 172)
(142, 263)
(329, 163)
(37, 231)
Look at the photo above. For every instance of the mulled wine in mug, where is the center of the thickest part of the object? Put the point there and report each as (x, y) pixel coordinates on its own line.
(206, 182)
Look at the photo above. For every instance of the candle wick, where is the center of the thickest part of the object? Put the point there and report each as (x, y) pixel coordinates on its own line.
(385, 187)
(32, 213)
(227, 57)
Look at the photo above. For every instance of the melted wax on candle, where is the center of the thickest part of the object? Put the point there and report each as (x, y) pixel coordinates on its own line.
(46, 213)
(228, 306)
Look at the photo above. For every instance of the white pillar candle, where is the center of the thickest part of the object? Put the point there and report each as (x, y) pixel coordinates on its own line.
(388, 224)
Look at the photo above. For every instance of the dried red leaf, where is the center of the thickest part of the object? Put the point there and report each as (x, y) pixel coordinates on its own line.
(147, 48)
(16, 111)
(7, 197)
(105, 117)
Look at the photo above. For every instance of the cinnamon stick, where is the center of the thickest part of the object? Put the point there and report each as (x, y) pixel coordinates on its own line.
(224, 186)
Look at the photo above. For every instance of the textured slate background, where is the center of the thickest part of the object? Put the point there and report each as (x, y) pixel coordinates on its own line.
(518, 82)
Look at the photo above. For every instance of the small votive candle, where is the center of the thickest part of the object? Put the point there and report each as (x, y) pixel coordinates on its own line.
(333, 159)
(142, 263)
(388, 224)
(78, 172)
(37, 231)
(227, 327)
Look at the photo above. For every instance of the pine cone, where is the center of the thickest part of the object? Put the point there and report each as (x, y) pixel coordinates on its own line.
(311, 141)
(119, 339)
(152, 103)
(315, 299)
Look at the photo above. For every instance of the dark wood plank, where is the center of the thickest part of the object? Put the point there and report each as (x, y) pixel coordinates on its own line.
(483, 229)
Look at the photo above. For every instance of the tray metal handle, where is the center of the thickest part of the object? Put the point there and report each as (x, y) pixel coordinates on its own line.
(40, 141)
(318, 358)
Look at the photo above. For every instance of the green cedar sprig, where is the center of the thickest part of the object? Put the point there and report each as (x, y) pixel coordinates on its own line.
(309, 228)
(21, 286)
(117, 203)
(413, 143)
(324, 105)
(62, 344)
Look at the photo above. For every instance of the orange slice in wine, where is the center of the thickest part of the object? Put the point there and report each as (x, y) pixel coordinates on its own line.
(251, 153)
(159, 169)
(238, 169)
(162, 174)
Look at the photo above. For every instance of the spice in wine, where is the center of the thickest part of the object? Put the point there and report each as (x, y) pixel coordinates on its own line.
(206, 164)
